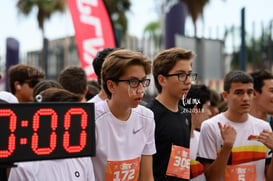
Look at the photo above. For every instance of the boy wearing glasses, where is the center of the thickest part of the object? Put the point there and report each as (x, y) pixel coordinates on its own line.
(197, 103)
(22, 79)
(124, 129)
(172, 71)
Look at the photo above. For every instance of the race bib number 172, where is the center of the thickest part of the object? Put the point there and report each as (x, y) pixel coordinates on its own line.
(125, 170)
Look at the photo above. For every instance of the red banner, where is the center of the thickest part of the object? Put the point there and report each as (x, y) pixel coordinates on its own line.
(93, 30)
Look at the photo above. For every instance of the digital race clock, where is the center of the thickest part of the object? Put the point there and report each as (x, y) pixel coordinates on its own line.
(39, 131)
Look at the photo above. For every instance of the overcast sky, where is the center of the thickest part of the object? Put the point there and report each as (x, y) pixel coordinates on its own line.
(219, 13)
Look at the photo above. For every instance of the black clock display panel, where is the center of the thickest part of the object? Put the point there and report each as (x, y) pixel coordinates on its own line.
(39, 131)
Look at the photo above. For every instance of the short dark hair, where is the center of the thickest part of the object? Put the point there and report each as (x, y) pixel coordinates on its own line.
(43, 85)
(259, 76)
(99, 59)
(200, 92)
(73, 78)
(21, 73)
(236, 76)
(93, 89)
(215, 97)
(59, 95)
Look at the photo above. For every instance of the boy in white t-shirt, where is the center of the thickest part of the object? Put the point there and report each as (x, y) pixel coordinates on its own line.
(235, 145)
(197, 102)
(124, 129)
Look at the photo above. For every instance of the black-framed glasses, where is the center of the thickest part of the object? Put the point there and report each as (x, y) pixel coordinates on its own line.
(32, 83)
(134, 83)
(183, 76)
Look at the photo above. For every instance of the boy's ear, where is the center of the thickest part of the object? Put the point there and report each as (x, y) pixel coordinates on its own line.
(255, 93)
(161, 80)
(225, 95)
(17, 85)
(111, 86)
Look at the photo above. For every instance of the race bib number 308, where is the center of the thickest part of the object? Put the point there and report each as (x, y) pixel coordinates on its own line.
(126, 170)
(179, 163)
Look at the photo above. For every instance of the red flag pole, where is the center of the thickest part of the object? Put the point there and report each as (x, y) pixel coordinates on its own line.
(93, 30)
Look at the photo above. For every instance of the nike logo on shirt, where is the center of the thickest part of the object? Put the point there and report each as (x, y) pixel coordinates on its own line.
(135, 131)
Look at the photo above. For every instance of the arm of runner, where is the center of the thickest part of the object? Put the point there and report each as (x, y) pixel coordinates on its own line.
(146, 168)
(215, 171)
(269, 171)
(266, 137)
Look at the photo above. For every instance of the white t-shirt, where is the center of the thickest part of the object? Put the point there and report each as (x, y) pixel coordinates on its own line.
(194, 144)
(211, 142)
(8, 97)
(70, 169)
(96, 98)
(193, 154)
(118, 140)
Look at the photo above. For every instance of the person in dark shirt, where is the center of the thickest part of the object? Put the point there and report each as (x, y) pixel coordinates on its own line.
(172, 71)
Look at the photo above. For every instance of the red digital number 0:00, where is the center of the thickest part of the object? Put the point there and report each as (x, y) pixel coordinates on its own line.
(53, 136)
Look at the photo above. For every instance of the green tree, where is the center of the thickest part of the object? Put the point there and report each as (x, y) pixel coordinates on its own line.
(152, 31)
(195, 9)
(117, 10)
(45, 9)
(259, 51)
